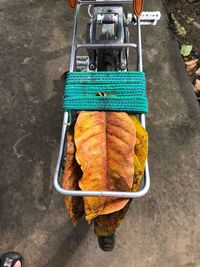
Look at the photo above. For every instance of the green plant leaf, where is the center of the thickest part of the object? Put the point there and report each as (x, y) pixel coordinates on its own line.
(186, 49)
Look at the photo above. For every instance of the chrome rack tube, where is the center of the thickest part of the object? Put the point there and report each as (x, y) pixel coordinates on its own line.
(74, 44)
(60, 154)
(142, 117)
(96, 46)
(74, 193)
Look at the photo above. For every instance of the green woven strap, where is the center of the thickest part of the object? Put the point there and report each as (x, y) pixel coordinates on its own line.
(125, 91)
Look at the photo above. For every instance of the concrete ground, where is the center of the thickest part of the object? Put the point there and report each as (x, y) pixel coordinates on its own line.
(161, 229)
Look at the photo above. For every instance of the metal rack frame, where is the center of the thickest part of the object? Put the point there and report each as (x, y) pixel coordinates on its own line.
(74, 48)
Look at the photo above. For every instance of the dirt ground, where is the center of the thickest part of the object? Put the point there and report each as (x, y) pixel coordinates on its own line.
(185, 23)
(161, 229)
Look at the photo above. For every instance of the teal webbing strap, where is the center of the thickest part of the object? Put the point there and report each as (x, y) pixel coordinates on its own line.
(125, 91)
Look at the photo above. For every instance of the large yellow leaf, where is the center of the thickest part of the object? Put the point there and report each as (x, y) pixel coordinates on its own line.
(106, 225)
(141, 152)
(72, 175)
(105, 150)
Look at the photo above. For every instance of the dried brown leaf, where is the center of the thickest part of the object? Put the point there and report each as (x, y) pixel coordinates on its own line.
(197, 86)
(105, 150)
(141, 152)
(191, 62)
(191, 67)
(106, 225)
(198, 72)
(71, 177)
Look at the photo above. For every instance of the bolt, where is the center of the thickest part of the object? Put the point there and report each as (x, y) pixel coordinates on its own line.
(92, 66)
(122, 66)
